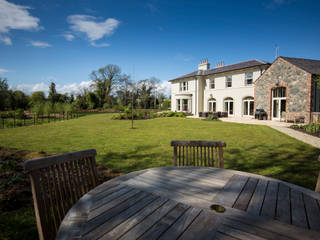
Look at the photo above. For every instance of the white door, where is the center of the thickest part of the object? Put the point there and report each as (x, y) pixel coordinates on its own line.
(278, 108)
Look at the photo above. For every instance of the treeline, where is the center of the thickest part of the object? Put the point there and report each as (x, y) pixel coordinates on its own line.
(110, 89)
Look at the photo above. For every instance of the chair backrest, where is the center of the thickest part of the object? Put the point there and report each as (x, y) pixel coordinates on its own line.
(57, 183)
(318, 181)
(198, 153)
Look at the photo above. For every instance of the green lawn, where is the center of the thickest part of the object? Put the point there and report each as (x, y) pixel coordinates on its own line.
(256, 149)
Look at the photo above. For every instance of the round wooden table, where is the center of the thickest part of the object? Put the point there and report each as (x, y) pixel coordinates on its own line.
(176, 203)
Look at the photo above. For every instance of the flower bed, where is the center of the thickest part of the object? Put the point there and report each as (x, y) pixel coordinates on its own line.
(312, 128)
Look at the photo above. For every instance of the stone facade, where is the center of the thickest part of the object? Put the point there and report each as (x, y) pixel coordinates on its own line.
(298, 89)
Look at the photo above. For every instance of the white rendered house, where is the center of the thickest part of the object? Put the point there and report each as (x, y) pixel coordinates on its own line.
(221, 89)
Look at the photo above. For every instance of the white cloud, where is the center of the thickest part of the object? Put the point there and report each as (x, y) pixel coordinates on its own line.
(99, 44)
(165, 88)
(73, 88)
(92, 28)
(2, 70)
(68, 36)
(6, 40)
(15, 17)
(40, 44)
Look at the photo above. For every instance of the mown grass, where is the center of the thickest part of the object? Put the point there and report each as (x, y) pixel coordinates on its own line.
(250, 148)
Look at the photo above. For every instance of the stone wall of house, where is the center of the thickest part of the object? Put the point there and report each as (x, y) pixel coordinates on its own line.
(298, 84)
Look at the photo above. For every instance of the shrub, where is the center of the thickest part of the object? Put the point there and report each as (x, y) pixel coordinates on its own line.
(212, 117)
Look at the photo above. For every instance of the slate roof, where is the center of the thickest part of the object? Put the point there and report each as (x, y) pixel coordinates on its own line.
(228, 68)
(309, 65)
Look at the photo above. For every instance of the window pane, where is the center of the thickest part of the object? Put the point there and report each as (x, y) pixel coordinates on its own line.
(231, 108)
(251, 110)
(214, 107)
(226, 106)
(245, 108)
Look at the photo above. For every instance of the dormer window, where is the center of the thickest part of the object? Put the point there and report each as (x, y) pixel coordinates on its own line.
(228, 81)
(248, 79)
(212, 83)
(183, 86)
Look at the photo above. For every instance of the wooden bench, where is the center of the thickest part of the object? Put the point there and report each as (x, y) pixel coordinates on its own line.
(198, 153)
(57, 183)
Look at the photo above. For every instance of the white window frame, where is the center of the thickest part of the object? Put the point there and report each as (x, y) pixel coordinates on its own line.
(179, 104)
(228, 80)
(249, 101)
(212, 101)
(228, 101)
(183, 86)
(247, 78)
(212, 83)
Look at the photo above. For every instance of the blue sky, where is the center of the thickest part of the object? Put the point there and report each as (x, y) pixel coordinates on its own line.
(63, 41)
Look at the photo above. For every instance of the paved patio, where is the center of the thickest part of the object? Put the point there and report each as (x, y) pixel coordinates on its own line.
(281, 127)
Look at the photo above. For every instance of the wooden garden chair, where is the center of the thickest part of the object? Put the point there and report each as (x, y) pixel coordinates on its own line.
(198, 153)
(57, 183)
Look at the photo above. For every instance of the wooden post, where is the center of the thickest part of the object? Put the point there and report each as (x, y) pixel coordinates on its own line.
(220, 157)
(67, 115)
(36, 206)
(175, 155)
(34, 119)
(48, 117)
(14, 119)
(24, 120)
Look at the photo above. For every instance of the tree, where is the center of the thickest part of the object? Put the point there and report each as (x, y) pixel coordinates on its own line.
(20, 100)
(104, 80)
(5, 95)
(53, 96)
(144, 91)
(37, 97)
(154, 83)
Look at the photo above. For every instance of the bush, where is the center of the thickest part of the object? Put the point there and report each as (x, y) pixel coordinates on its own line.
(212, 117)
(20, 113)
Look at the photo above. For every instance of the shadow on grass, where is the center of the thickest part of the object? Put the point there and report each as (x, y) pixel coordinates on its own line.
(298, 166)
(135, 160)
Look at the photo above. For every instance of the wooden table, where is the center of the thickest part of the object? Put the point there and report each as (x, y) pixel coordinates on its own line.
(174, 203)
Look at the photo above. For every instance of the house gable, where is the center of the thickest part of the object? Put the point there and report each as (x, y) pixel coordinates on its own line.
(298, 88)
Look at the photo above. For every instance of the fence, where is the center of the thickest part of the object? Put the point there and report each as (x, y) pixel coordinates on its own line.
(33, 119)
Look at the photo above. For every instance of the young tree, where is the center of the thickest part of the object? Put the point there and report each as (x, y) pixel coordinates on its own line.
(104, 80)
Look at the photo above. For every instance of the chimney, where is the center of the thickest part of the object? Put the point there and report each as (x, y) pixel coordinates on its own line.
(204, 65)
(220, 64)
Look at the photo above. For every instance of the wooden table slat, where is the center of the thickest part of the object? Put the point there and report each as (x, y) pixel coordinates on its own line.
(283, 204)
(228, 195)
(313, 212)
(148, 222)
(135, 219)
(244, 198)
(270, 200)
(160, 227)
(94, 228)
(203, 227)
(256, 202)
(241, 235)
(298, 213)
(181, 224)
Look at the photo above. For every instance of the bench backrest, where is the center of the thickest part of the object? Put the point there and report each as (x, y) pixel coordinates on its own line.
(198, 153)
(57, 183)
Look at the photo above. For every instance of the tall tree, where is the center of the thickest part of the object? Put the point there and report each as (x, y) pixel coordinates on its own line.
(104, 80)
(5, 95)
(52, 96)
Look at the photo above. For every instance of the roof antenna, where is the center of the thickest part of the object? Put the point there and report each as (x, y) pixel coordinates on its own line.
(277, 51)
